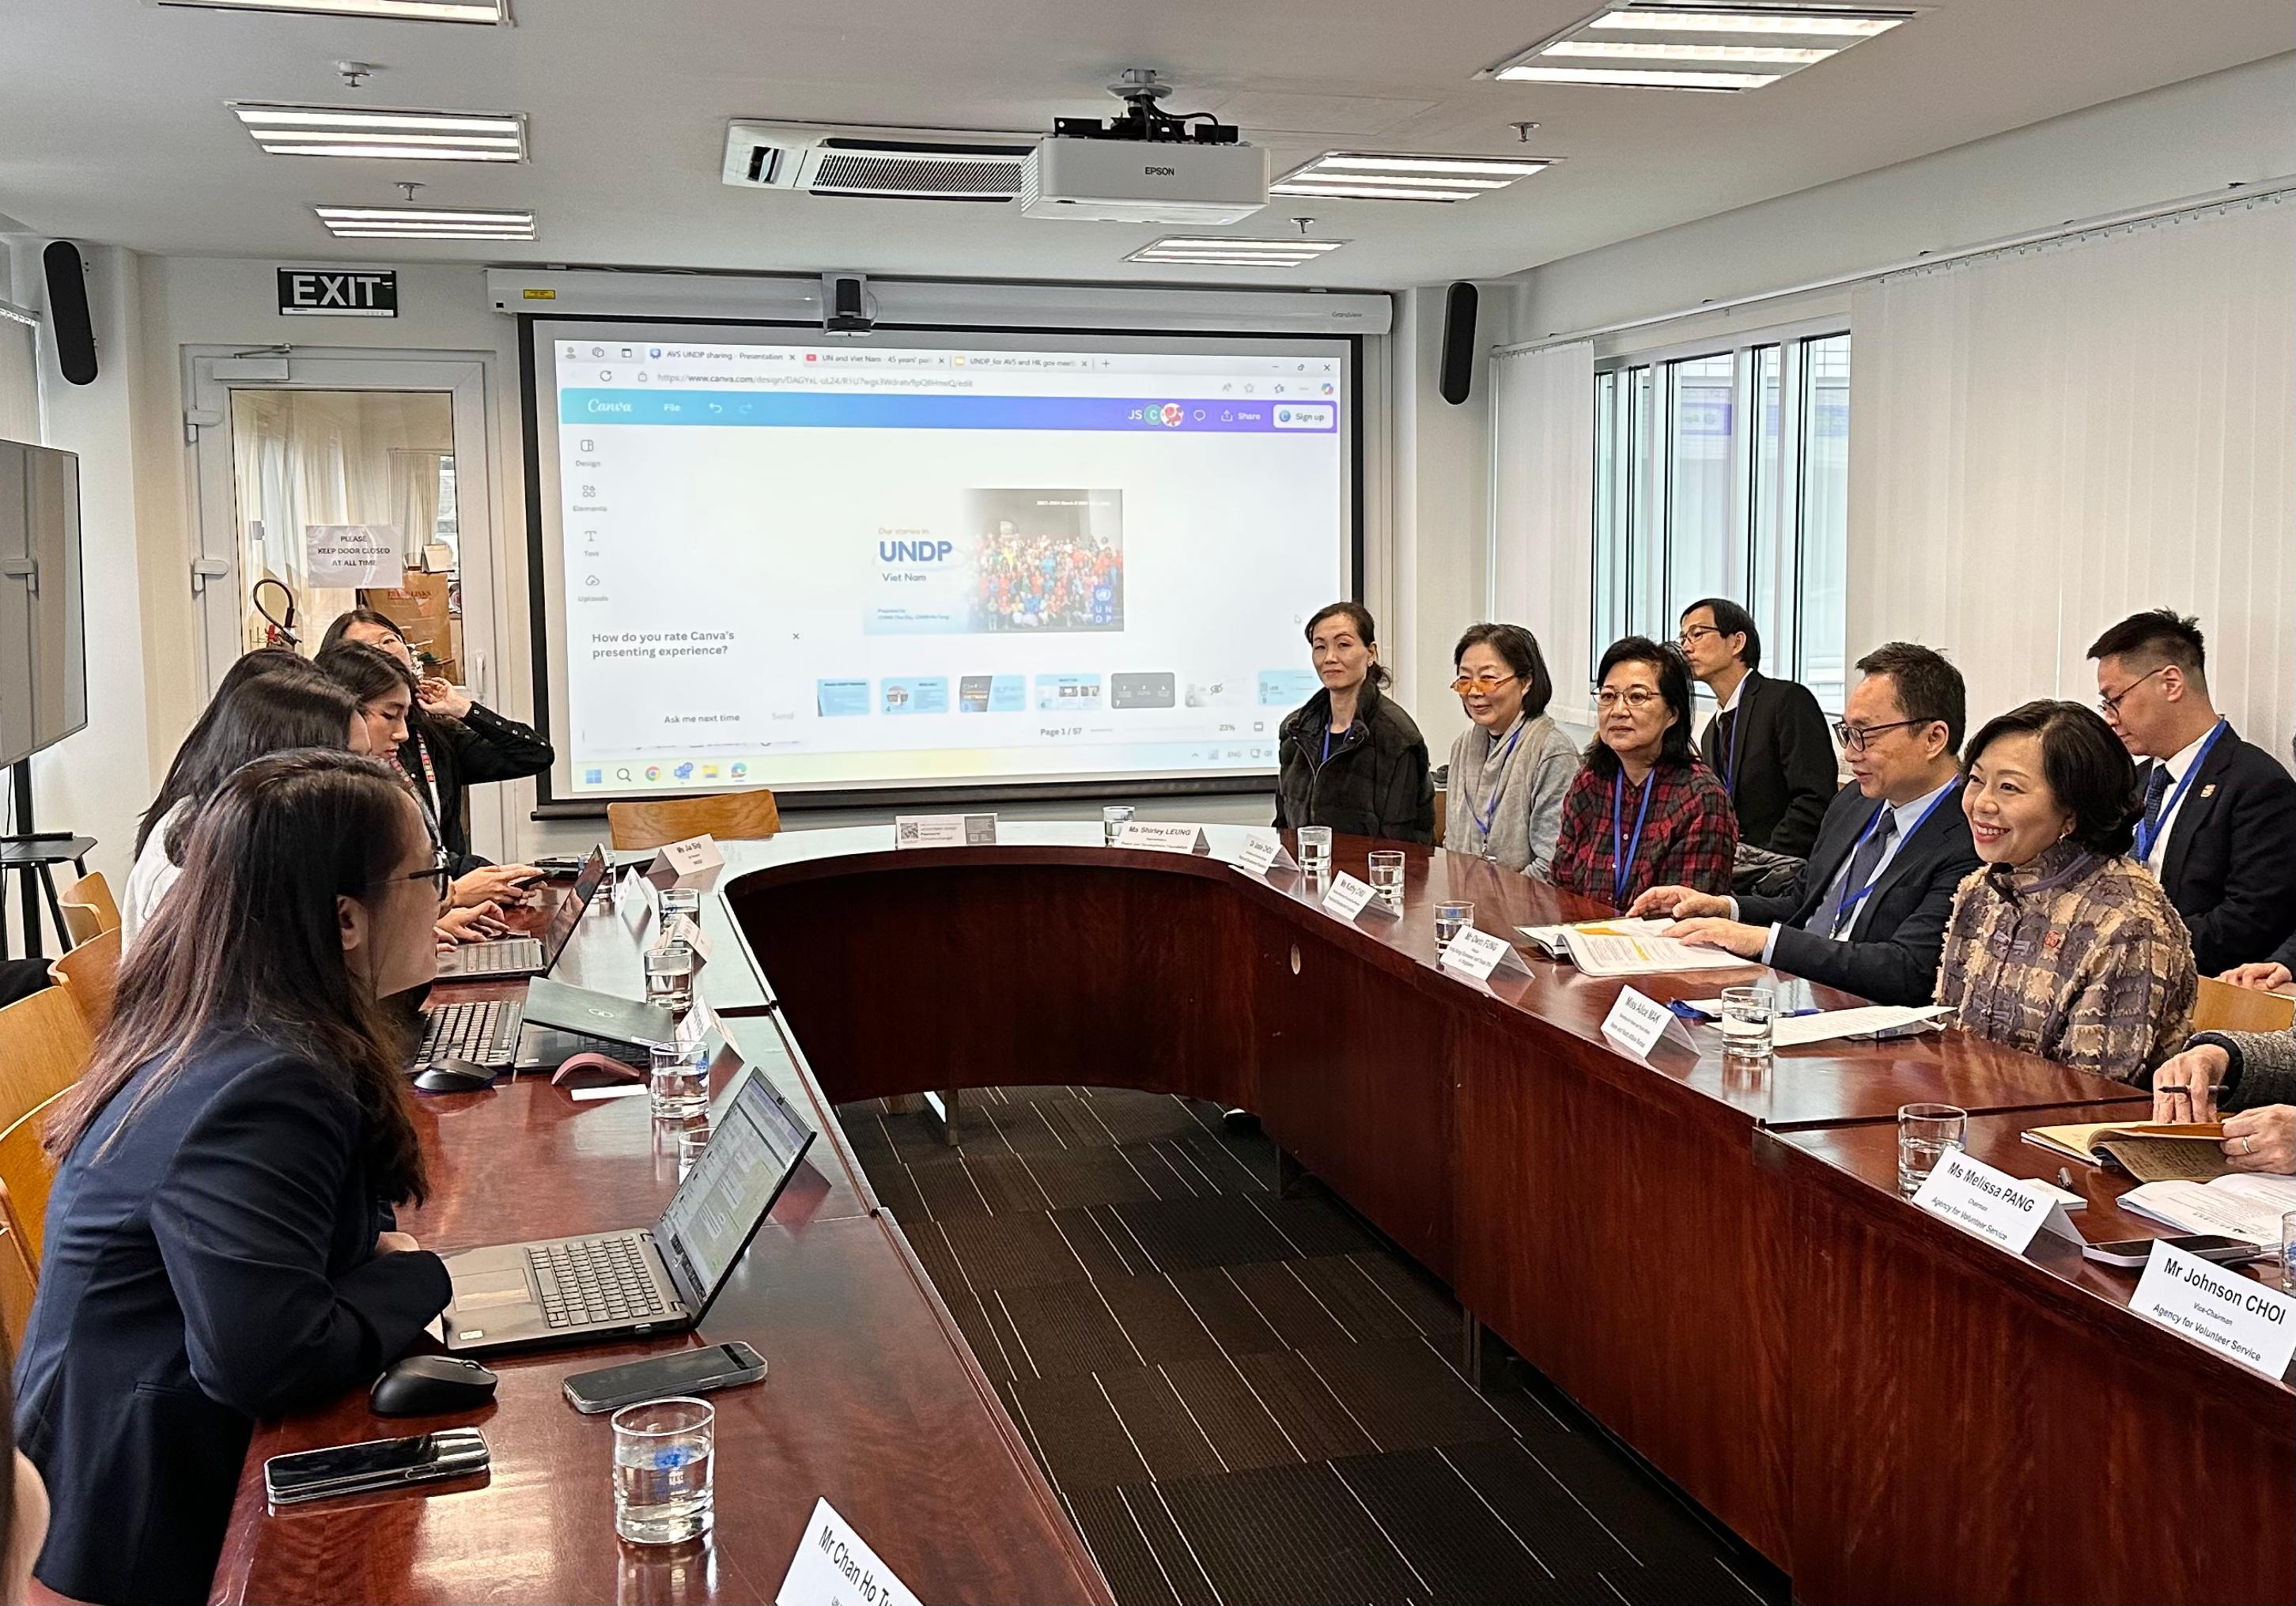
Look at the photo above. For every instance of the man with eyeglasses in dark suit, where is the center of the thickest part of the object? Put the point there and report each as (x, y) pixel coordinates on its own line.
(1767, 740)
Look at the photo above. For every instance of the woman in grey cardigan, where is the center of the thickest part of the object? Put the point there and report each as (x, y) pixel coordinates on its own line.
(1511, 768)
(2250, 1073)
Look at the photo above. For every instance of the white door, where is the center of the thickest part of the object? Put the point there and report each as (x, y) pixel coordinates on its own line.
(282, 444)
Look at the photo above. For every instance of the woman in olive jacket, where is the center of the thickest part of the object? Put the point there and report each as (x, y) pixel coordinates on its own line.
(1351, 759)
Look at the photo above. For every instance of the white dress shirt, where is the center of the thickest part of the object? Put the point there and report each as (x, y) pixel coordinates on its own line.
(2176, 768)
(1909, 815)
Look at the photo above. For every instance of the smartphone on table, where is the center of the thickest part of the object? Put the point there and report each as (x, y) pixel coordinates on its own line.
(377, 1464)
(2204, 1246)
(662, 1376)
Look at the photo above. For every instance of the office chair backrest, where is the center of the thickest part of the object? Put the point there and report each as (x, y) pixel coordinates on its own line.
(44, 1042)
(2223, 1007)
(88, 908)
(90, 974)
(20, 1279)
(734, 816)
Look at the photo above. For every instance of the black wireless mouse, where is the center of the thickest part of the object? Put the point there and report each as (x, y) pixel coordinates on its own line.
(453, 1075)
(430, 1385)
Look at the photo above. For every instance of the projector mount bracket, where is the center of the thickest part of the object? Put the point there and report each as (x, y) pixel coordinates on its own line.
(1140, 88)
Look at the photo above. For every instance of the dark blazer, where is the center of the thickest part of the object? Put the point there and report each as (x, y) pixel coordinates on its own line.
(1898, 935)
(217, 1264)
(482, 746)
(2231, 864)
(1375, 782)
(1783, 773)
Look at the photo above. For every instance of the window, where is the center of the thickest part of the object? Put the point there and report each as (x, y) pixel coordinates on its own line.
(1725, 472)
(20, 366)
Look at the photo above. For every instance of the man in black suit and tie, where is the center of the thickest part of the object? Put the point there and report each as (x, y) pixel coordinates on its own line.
(1767, 742)
(1868, 912)
(2219, 824)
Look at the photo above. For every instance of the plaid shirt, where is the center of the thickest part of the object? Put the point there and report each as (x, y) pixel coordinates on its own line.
(2074, 957)
(1690, 833)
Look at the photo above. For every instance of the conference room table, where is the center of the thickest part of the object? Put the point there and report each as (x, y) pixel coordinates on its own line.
(1709, 1255)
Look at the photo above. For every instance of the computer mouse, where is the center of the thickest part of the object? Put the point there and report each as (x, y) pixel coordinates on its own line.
(610, 1067)
(430, 1385)
(453, 1075)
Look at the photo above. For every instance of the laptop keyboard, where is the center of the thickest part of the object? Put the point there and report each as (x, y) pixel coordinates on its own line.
(484, 1033)
(587, 1280)
(504, 954)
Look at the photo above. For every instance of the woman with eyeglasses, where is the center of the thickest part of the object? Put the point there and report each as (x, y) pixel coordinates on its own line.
(1645, 812)
(219, 1241)
(1351, 759)
(1513, 767)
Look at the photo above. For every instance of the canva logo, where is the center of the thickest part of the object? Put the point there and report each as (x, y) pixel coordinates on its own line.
(915, 552)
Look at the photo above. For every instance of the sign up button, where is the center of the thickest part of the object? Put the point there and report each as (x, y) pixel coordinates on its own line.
(1304, 416)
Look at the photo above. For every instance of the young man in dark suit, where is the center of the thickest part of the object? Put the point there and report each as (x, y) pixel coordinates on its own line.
(2219, 824)
(1768, 740)
(1868, 912)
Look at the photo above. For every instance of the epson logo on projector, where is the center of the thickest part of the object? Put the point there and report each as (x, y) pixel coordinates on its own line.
(1159, 172)
(915, 552)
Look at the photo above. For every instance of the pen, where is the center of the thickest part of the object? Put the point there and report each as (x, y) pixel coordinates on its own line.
(2065, 1177)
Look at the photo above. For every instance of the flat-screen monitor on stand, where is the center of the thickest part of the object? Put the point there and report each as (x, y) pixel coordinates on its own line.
(43, 624)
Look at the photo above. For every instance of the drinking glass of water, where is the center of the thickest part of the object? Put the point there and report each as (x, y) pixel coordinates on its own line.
(693, 1138)
(1746, 1013)
(1925, 1132)
(1387, 878)
(680, 1081)
(680, 900)
(663, 1455)
(1315, 849)
(1451, 918)
(2288, 1252)
(669, 977)
(1113, 819)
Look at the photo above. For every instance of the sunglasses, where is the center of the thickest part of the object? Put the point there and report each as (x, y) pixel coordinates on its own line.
(1485, 683)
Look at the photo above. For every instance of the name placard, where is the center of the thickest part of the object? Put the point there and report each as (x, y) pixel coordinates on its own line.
(686, 930)
(1350, 895)
(1990, 1204)
(1638, 1025)
(834, 1568)
(2234, 1315)
(1163, 838)
(1482, 956)
(944, 831)
(1263, 851)
(637, 899)
(677, 863)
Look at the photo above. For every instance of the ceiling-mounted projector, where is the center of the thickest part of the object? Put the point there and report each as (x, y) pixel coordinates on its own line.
(1146, 166)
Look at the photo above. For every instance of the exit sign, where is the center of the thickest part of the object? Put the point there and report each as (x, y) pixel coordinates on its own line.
(319, 293)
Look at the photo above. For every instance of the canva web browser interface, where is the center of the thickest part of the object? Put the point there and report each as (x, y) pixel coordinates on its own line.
(834, 565)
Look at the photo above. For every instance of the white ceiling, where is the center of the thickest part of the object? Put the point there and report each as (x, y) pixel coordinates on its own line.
(112, 124)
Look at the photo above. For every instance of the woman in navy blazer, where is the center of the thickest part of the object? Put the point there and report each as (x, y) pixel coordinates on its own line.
(218, 1243)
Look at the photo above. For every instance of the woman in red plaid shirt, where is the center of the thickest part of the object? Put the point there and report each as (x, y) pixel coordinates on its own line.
(1645, 811)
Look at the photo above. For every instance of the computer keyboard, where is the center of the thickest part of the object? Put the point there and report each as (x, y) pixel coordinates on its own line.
(587, 1280)
(484, 1033)
(503, 953)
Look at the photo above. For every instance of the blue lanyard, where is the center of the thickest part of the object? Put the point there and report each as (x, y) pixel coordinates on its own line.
(1852, 900)
(2146, 839)
(1622, 868)
(1326, 758)
(1483, 817)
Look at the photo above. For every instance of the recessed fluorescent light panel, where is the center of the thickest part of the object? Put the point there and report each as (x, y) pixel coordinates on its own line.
(1362, 175)
(381, 132)
(1213, 250)
(425, 223)
(493, 13)
(1721, 48)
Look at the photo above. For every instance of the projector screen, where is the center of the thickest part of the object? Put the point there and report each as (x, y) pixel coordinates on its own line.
(931, 564)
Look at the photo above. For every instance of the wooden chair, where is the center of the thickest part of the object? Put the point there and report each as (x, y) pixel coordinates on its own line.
(2223, 1007)
(27, 1174)
(88, 908)
(733, 816)
(90, 974)
(20, 1279)
(44, 1046)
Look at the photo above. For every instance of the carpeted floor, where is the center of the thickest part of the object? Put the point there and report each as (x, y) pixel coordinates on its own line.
(1243, 1397)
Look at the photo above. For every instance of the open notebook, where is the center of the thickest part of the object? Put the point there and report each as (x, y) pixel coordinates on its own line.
(1628, 947)
(2240, 1205)
(2148, 1151)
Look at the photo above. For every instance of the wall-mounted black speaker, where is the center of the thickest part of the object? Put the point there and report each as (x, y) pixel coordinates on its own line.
(68, 315)
(1457, 377)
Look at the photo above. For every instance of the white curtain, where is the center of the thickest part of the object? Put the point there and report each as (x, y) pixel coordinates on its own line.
(2043, 442)
(19, 381)
(1543, 507)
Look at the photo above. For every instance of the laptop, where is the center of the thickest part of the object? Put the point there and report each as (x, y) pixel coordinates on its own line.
(508, 958)
(561, 1021)
(620, 1284)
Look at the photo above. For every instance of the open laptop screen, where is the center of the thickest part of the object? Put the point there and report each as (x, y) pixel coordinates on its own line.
(570, 908)
(719, 1206)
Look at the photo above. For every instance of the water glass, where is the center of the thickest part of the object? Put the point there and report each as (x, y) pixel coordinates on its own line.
(693, 1138)
(663, 1459)
(1925, 1132)
(1315, 849)
(1451, 918)
(1113, 819)
(680, 1081)
(1746, 1012)
(2288, 1252)
(669, 977)
(680, 900)
(1387, 878)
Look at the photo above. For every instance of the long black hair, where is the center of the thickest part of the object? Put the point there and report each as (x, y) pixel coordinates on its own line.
(338, 632)
(1673, 673)
(250, 942)
(366, 673)
(1360, 621)
(269, 700)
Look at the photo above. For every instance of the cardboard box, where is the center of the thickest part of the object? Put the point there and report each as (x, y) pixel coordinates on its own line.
(422, 606)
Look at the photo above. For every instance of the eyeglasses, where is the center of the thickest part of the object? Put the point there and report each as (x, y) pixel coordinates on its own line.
(1485, 683)
(1635, 698)
(2110, 707)
(1854, 737)
(440, 875)
(1693, 633)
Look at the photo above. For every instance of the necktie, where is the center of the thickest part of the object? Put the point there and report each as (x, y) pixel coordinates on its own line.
(2156, 788)
(1831, 916)
(1725, 735)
